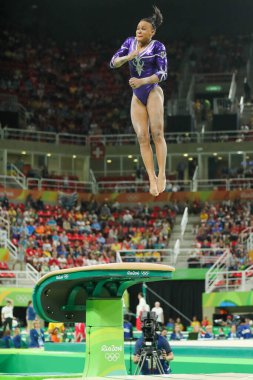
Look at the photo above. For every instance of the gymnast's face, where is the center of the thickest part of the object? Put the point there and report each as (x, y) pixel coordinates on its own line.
(144, 32)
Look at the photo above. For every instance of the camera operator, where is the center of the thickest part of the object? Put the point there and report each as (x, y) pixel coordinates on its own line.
(152, 343)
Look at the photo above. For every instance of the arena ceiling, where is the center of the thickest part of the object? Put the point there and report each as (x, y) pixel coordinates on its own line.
(85, 19)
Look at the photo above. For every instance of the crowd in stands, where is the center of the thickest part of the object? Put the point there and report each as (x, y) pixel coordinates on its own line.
(219, 54)
(53, 237)
(70, 88)
(220, 227)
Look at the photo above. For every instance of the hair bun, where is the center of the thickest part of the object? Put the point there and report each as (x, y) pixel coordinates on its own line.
(157, 17)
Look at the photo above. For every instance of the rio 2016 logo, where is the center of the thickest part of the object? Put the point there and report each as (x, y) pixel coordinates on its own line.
(111, 348)
(112, 352)
(138, 273)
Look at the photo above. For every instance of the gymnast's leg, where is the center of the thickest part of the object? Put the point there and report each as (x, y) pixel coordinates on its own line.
(140, 122)
(156, 121)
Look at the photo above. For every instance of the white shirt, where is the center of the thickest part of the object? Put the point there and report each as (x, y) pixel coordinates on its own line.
(159, 313)
(7, 312)
(142, 307)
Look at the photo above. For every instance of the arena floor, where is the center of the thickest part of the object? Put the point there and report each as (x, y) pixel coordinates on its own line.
(216, 376)
(194, 360)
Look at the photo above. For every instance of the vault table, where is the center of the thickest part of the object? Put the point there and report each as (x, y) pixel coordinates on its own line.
(94, 295)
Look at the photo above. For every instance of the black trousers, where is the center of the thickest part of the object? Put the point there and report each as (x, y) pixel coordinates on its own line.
(7, 321)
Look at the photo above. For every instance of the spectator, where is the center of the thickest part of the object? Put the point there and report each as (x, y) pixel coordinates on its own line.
(195, 322)
(30, 315)
(36, 336)
(176, 333)
(53, 325)
(7, 315)
(55, 336)
(205, 322)
(159, 312)
(6, 339)
(141, 307)
(80, 334)
(17, 338)
(179, 323)
(208, 334)
(244, 330)
(128, 329)
(232, 333)
(170, 324)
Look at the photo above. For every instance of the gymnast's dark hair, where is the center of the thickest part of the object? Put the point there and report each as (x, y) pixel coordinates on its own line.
(156, 19)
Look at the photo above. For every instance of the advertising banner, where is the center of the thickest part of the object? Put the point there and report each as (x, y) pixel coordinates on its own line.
(19, 296)
(227, 299)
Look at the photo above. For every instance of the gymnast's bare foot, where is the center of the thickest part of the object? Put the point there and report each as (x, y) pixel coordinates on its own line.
(153, 187)
(161, 182)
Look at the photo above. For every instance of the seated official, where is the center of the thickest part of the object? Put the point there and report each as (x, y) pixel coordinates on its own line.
(128, 329)
(176, 333)
(244, 330)
(159, 344)
(36, 336)
(17, 342)
(208, 334)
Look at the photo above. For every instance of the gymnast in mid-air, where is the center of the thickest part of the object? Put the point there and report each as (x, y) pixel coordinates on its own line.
(148, 66)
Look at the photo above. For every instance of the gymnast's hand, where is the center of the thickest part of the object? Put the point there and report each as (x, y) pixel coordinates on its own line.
(132, 55)
(136, 82)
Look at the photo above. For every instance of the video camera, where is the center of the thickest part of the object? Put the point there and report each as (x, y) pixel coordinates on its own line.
(234, 319)
(149, 328)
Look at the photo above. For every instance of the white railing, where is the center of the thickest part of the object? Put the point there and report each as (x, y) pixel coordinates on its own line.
(184, 221)
(5, 235)
(204, 258)
(5, 222)
(7, 182)
(58, 184)
(232, 90)
(12, 249)
(176, 251)
(195, 179)
(250, 243)
(213, 276)
(32, 274)
(140, 186)
(245, 235)
(241, 280)
(14, 278)
(121, 139)
(17, 175)
(165, 256)
(94, 182)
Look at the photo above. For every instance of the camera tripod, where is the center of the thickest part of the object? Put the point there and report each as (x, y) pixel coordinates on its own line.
(153, 362)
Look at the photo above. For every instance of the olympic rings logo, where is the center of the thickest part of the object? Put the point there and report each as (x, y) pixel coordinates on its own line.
(21, 298)
(112, 357)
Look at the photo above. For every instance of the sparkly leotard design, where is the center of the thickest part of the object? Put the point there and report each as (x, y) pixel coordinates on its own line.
(152, 60)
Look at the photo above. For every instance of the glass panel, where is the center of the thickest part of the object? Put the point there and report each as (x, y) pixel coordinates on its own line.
(248, 165)
(97, 165)
(132, 166)
(113, 165)
(66, 165)
(53, 165)
(183, 167)
(218, 166)
(236, 168)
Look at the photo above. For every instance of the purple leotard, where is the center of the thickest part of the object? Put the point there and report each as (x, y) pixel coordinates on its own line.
(152, 60)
